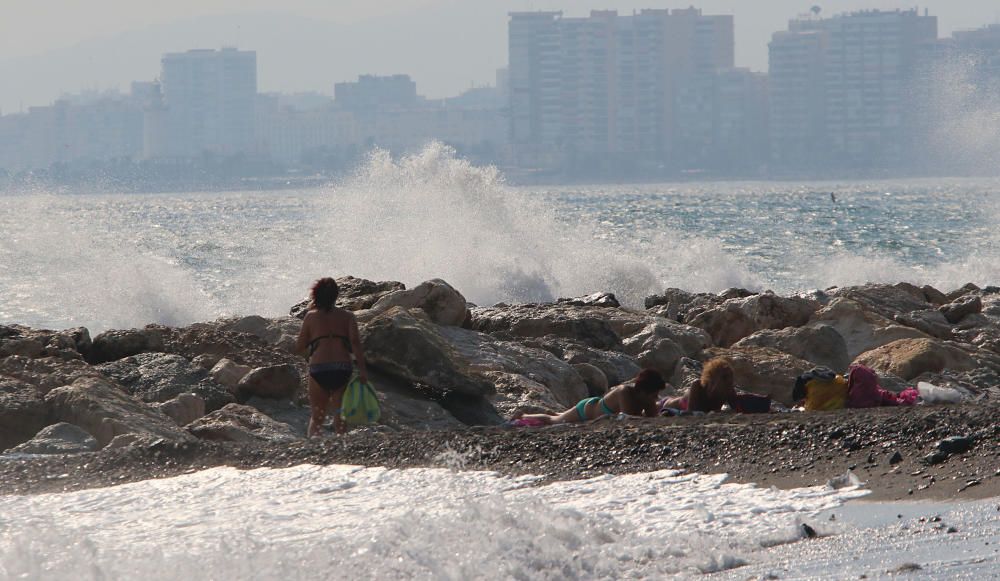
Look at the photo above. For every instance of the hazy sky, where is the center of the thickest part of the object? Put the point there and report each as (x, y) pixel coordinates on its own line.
(53, 46)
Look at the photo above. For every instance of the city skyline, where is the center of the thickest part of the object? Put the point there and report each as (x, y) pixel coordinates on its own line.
(43, 59)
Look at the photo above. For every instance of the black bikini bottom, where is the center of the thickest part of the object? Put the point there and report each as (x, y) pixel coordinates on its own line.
(332, 376)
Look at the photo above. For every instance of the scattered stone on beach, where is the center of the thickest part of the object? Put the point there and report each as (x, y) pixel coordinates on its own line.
(896, 458)
(61, 438)
(956, 444)
(935, 457)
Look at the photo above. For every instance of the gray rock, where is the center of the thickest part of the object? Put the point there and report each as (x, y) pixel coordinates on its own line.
(593, 300)
(280, 332)
(819, 344)
(46, 373)
(240, 423)
(409, 347)
(275, 382)
(862, 330)
(105, 411)
(61, 438)
(591, 326)
(27, 342)
(117, 344)
(22, 412)
(929, 321)
(739, 318)
(597, 382)
(160, 377)
(443, 304)
(355, 294)
(956, 310)
(956, 444)
(228, 373)
(184, 409)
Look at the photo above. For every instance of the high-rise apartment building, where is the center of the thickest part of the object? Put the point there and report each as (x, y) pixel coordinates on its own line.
(598, 92)
(865, 64)
(208, 103)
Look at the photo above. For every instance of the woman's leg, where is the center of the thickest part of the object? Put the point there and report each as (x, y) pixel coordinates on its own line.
(318, 398)
(337, 400)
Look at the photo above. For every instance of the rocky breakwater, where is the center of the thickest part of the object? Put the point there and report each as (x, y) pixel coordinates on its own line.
(441, 363)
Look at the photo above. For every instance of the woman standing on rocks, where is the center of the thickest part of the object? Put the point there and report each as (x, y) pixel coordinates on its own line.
(331, 335)
(638, 399)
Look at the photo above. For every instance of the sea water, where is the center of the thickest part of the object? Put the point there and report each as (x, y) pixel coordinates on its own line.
(345, 522)
(110, 260)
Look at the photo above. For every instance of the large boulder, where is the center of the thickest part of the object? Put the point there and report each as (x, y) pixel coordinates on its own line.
(593, 377)
(159, 377)
(443, 304)
(240, 423)
(958, 309)
(592, 326)
(818, 344)
(763, 370)
(274, 382)
(680, 305)
(406, 345)
(355, 294)
(886, 300)
(228, 373)
(617, 367)
(861, 329)
(517, 393)
(47, 373)
(740, 317)
(27, 342)
(61, 438)
(212, 342)
(117, 344)
(184, 409)
(484, 354)
(22, 412)
(592, 300)
(690, 340)
(105, 411)
(908, 358)
(930, 321)
(281, 332)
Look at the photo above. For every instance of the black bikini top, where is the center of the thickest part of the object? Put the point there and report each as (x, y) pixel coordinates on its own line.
(314, 344)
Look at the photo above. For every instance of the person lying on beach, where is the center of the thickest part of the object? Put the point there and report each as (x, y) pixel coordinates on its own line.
(716, 388)
(636, 399)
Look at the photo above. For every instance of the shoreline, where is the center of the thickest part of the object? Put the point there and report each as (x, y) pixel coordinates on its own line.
(791, 450)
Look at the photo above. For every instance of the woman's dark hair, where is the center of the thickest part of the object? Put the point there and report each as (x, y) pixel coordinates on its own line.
(649, 381)
(324, 294)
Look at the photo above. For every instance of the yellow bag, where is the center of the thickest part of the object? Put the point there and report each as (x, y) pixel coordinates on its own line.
(826, 395)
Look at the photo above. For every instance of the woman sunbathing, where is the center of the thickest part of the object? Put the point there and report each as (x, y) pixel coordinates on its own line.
(636, 399)
(715, 388)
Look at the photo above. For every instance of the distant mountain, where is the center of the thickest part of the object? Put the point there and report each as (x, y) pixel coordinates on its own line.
(467, 45)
